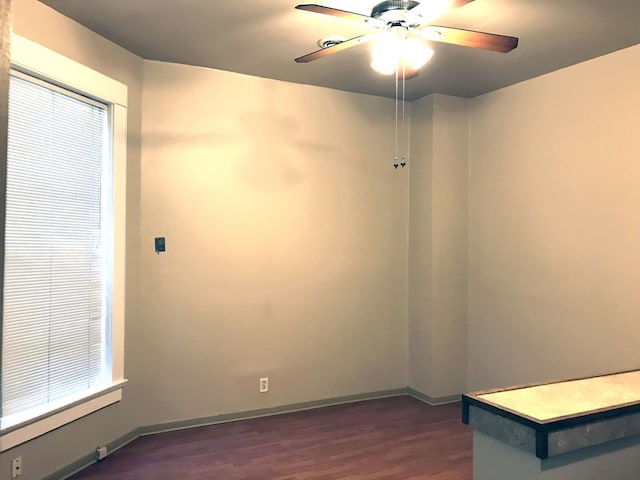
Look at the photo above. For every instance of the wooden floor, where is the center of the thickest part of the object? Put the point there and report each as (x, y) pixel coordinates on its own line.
(395, 438)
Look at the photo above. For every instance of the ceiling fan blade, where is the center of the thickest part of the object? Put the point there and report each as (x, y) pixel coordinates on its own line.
(335, 48)
(334, 12)
(470, 38)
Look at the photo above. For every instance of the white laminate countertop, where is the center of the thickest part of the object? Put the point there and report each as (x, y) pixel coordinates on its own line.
(553, 401)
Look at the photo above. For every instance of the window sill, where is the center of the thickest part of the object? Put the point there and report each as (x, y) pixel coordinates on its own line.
(16, 431)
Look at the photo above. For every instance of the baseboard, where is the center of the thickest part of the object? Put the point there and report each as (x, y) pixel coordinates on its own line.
(432, 400)
(90, 459)
(264, 412)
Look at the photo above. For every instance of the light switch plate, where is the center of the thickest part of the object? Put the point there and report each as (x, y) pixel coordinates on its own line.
(160, 244)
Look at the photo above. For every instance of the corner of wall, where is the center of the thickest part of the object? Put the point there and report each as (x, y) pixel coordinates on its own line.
(438, 247)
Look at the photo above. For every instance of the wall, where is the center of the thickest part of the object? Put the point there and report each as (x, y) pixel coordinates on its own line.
(438, 246)
(554, 229)
(5, 66)
(61, 447)
(286, 234)
(286, 258)
(421, 365)
(286, 252)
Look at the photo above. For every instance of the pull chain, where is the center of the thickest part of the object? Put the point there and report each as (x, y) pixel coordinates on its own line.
(409, 138)
(403, 163)
(395, 162)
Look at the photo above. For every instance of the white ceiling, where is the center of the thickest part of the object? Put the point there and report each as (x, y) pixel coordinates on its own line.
(262, 37)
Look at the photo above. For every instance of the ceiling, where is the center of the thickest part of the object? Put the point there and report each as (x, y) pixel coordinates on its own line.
(262, 37)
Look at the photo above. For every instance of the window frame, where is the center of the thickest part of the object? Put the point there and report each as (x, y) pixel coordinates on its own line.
(41, 62)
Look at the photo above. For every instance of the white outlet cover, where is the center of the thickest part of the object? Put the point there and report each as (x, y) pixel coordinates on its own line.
(264, 384)
(16, 467)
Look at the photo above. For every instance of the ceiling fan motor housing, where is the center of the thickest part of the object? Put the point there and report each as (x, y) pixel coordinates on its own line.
(390, 5)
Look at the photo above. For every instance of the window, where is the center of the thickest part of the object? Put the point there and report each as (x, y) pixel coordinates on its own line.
(63, 291)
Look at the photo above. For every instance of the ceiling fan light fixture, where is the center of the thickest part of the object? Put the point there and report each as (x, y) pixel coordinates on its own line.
(416, 53)
(383, 66)
(384, 52)
(395, 50)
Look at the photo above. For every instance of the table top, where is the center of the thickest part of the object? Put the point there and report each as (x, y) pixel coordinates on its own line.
(554, 401)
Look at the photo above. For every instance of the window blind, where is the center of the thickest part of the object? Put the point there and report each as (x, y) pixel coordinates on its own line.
(54, 273)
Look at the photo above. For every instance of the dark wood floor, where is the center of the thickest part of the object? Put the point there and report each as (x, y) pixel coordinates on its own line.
(395, 438)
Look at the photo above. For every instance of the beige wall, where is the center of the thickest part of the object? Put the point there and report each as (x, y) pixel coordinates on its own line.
(438, 246)
(449, 217)
(554, 230)
(58, 449)
(5, 66)
(285, 226)
(421, 365)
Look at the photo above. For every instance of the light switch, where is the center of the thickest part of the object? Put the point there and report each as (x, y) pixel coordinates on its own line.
(160, 244)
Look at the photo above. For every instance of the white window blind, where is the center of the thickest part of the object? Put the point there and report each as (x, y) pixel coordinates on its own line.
(56, 271)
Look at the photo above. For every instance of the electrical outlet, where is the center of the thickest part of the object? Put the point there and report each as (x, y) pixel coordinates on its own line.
(264, 385)
(16, 467)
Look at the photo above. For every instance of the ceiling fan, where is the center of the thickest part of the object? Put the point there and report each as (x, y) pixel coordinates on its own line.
(406, 22)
